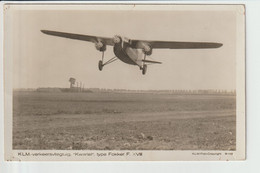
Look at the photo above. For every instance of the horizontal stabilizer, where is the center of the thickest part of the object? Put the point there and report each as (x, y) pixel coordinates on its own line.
(155, 62)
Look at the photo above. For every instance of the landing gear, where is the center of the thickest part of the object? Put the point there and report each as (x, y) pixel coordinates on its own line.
(144, 69)
(101, 63)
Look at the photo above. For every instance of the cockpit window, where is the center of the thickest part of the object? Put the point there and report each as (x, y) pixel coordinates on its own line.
(126, 40)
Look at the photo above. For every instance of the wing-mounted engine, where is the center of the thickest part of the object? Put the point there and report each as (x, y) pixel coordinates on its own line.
(147, 49)
(100, 46)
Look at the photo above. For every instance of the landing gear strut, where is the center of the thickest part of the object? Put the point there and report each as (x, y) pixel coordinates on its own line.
(101, 63)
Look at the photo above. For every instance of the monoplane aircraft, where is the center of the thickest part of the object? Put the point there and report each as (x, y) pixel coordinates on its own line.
(130, 51)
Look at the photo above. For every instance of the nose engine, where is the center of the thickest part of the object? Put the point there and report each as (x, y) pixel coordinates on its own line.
(117, 39)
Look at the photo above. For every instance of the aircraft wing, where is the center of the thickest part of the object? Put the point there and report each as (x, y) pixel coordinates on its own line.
(94, 39)
(138, 44)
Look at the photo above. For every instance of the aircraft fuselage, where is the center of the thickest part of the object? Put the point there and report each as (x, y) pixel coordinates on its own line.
(125, 53)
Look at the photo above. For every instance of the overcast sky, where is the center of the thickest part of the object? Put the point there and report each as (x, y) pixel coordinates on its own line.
(41, 60)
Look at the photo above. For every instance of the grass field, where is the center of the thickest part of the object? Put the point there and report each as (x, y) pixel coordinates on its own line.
(119, 121)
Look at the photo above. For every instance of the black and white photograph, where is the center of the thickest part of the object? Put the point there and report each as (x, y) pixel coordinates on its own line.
(124, 82)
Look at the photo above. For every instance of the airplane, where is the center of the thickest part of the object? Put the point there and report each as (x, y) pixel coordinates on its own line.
(130, 51)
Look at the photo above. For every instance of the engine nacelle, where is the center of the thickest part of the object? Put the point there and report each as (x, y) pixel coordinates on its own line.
(117, 39)
(100, 46)
(147, 49)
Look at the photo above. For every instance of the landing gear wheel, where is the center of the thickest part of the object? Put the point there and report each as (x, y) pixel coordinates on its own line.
(100, 65)
(144, 69)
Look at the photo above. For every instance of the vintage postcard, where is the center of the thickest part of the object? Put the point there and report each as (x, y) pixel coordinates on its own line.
(129, 82)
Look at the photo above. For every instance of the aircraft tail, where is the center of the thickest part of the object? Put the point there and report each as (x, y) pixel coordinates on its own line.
(154, 62)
